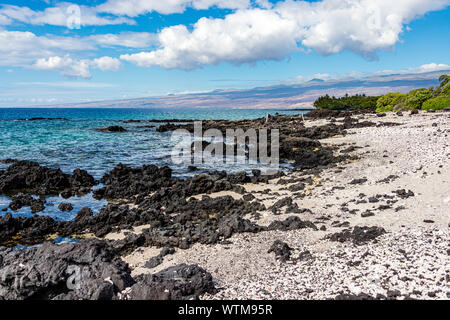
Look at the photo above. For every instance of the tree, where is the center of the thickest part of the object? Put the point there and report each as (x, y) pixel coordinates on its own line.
(444, 87)
(417, 97)
(444, 80)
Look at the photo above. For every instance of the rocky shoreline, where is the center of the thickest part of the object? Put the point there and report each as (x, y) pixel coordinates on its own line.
(363, 187)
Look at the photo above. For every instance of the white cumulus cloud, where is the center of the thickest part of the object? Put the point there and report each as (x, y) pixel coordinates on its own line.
(106, 64)
(255, 30)
(133, 8)
(76, 68)
(361, 26)
(243, 37)
(251, 35)
(24, 48)
(20, 48)
(65, 65)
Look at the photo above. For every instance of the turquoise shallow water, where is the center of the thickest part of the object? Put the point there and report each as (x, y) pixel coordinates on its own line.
(74, 143)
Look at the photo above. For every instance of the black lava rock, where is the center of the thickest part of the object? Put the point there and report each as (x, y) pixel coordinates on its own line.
(373, 199)
(25, 200)
(358, 181)
(281, 249)
(402, 193)
(30, 177)
(156, 261)
(65, 207)
(359, 235)
(291, 223)
(89, 269)
(367, 214)
(182, 282)
(112, 129)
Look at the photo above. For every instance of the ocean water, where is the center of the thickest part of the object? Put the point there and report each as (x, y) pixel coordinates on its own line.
(75, 143)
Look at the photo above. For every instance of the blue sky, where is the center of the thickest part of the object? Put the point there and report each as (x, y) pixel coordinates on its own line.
(137, 48)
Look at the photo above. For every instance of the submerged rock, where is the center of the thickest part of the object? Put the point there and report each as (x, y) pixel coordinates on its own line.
(42, 119)
(65, 207)
(112, 129)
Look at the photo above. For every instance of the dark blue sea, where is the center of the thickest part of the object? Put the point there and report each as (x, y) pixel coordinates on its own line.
(75, 143)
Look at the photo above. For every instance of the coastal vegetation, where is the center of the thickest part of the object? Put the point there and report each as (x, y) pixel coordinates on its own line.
(433, 98)
(346, 102)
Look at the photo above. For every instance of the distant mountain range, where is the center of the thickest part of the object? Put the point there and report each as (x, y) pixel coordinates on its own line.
(294, 95)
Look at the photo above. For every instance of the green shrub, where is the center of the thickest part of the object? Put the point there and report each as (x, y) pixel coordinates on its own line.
(437, 103)
(417, 97)
(387, 102)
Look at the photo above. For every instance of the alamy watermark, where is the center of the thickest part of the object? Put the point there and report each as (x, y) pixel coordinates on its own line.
(20, 280)
(73, 17)
(236, 146)
(75, 273)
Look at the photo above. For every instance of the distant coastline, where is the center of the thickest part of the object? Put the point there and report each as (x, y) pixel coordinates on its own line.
(291, 95)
